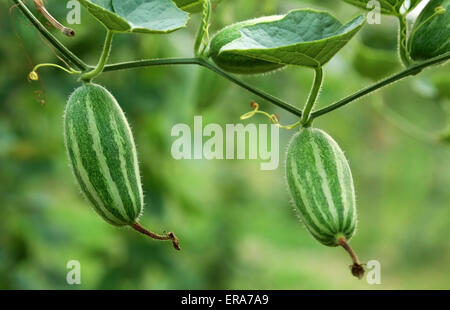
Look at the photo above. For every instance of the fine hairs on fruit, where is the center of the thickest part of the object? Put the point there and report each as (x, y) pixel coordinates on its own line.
(321, 187)
(103, 157)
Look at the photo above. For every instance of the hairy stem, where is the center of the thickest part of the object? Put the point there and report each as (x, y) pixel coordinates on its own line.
(170, 236)
(62, 49)
(264, 95)
(412, 70)
(403, 41)
(318, 79)
(357, 268)
(204, 63)
(202, 38)
(87, 77)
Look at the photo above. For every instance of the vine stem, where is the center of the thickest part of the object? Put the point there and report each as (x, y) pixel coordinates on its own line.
(87, 77)
(170, 236)
(412, 70)
(204, 63)
(317, 84)
(357, 268)
(402, 41)
(61, 48)
(77, 62)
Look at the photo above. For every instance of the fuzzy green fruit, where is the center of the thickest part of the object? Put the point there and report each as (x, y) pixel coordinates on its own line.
(321, 185)
(103, 155)
(237, 63)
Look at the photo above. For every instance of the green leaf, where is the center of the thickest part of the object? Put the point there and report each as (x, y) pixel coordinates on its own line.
(430, 36)
(145, 16)
(102, 10)
(388, 7)
(303, 37)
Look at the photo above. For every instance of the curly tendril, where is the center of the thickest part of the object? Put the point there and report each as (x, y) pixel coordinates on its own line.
(274, 118)
(34, 76)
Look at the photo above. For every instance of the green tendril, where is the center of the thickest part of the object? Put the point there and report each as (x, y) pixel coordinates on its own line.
(274, 119)
(34, 76)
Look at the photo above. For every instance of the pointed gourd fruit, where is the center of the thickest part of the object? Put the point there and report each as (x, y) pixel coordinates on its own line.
(321, 185)
(103, 157)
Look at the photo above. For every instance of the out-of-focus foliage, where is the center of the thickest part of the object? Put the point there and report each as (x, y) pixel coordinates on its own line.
(376, 54)
(235, 222)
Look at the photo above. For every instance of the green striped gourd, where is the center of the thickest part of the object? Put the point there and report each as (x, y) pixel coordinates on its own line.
(321, 185)
(103, 155)
(237, 63)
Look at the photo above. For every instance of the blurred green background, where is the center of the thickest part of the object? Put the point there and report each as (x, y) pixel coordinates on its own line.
(235, 222)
